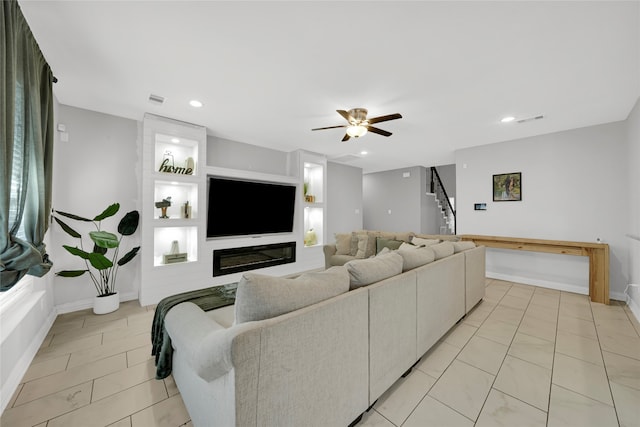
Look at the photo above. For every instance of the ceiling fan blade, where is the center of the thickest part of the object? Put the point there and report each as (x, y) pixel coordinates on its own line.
(378, 131)
(331, 127)
(385, 118)
(346, 115)
(346, 137)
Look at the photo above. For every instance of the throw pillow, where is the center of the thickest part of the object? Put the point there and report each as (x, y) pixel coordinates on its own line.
(392, 244)
(443, 249)
(354, 242)
(261, 297)
(363, 240)
(463, 246)
(343, 243)
(419, 241)
(363, 272)
(415, 258)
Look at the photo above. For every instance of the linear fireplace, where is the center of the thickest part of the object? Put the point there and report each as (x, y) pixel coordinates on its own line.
(234, 260)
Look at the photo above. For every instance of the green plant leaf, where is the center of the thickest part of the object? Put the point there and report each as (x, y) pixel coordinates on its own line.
(99, 261)
(129, 256)
(129, 223)
(110, 211)
(76, 251)
(98, 250)
(71, 273)
(70, 231)
(104, 239)
(72, 216)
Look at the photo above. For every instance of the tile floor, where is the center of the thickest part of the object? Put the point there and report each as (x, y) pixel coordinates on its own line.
(525, 356)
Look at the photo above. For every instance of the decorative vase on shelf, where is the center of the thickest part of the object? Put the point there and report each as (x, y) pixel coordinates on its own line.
(310, 238)
(104, 304)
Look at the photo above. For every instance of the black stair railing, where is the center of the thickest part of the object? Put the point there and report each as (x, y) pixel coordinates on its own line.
(438, 189)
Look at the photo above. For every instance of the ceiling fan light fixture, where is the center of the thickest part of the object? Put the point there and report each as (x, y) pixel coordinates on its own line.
(356, 131)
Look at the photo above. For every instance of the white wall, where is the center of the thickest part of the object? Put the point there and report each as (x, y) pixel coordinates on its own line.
(392, 201)
(98, 165)
(344, 199)
(633, 194)
(574, 187)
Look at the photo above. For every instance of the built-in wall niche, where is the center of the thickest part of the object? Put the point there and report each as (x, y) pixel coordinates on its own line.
(314, 221)
(165, 239)
(184, 199)
(314, 182)
(175, 155)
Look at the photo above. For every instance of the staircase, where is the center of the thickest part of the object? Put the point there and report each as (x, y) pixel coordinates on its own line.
(444, 204)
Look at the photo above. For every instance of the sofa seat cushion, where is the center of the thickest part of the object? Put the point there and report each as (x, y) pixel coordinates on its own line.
(413, 258)
(363, 272)
(261, 297)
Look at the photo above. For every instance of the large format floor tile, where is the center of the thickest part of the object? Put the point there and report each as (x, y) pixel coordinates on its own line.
(524, 356)
(502, 410)
(463, 388)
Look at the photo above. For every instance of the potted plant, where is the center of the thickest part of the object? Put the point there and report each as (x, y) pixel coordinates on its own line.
(102, 269)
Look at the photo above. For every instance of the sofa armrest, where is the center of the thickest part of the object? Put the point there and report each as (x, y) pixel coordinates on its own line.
(203, 342)
(329, 251)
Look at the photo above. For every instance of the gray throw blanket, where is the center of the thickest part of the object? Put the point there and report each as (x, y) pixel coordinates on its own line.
(207, 299)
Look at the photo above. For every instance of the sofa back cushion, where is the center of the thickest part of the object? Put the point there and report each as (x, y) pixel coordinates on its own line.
(463, 246)
(363, 272)
(382, 243)
(343, 243)
(413, 258)
(443, 249)
(261, 297)
(419, 241)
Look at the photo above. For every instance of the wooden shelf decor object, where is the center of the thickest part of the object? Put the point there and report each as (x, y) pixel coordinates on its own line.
(598, 254)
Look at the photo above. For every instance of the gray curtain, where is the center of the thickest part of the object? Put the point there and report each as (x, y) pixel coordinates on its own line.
(26, 137)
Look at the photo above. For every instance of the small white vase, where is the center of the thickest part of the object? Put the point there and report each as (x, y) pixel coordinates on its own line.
(106, 304)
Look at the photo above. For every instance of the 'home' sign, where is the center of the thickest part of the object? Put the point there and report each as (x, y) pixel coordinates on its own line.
(166, 167)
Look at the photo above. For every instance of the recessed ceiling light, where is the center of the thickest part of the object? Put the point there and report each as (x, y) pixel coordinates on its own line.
(195, 103)
(364, 153)
(175, 140)
(507, 119)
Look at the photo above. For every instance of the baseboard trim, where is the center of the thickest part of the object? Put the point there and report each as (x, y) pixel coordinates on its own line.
(550, 285)
(18, 371)
(88, 303)
(537, 282)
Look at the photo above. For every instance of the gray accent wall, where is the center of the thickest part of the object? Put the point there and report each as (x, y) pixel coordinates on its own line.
(97, 166)
(229, 154)
(344, 199)
(575, 186)
(392, 201)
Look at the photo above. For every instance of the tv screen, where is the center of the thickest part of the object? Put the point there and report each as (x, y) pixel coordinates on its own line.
(239, 208)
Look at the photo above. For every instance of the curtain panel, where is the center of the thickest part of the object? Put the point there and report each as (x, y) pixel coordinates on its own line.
(26, 137)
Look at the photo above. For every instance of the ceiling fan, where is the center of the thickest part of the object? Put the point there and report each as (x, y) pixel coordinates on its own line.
(360, 125)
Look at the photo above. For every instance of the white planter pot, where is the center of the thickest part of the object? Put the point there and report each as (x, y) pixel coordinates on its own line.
(106, 304)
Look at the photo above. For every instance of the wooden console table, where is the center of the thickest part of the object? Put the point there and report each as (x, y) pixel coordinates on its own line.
(598, 254)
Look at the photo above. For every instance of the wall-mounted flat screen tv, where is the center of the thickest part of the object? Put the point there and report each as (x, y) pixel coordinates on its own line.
(240, 207)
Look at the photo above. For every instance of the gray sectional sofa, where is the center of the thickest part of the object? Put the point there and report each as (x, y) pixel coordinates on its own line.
(320, 349)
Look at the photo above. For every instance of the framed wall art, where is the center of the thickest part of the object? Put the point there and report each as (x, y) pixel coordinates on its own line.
(507, 187)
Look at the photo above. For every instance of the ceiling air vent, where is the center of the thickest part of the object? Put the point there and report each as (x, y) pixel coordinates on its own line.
(156, 99)
(345, 159)
(530, 119)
